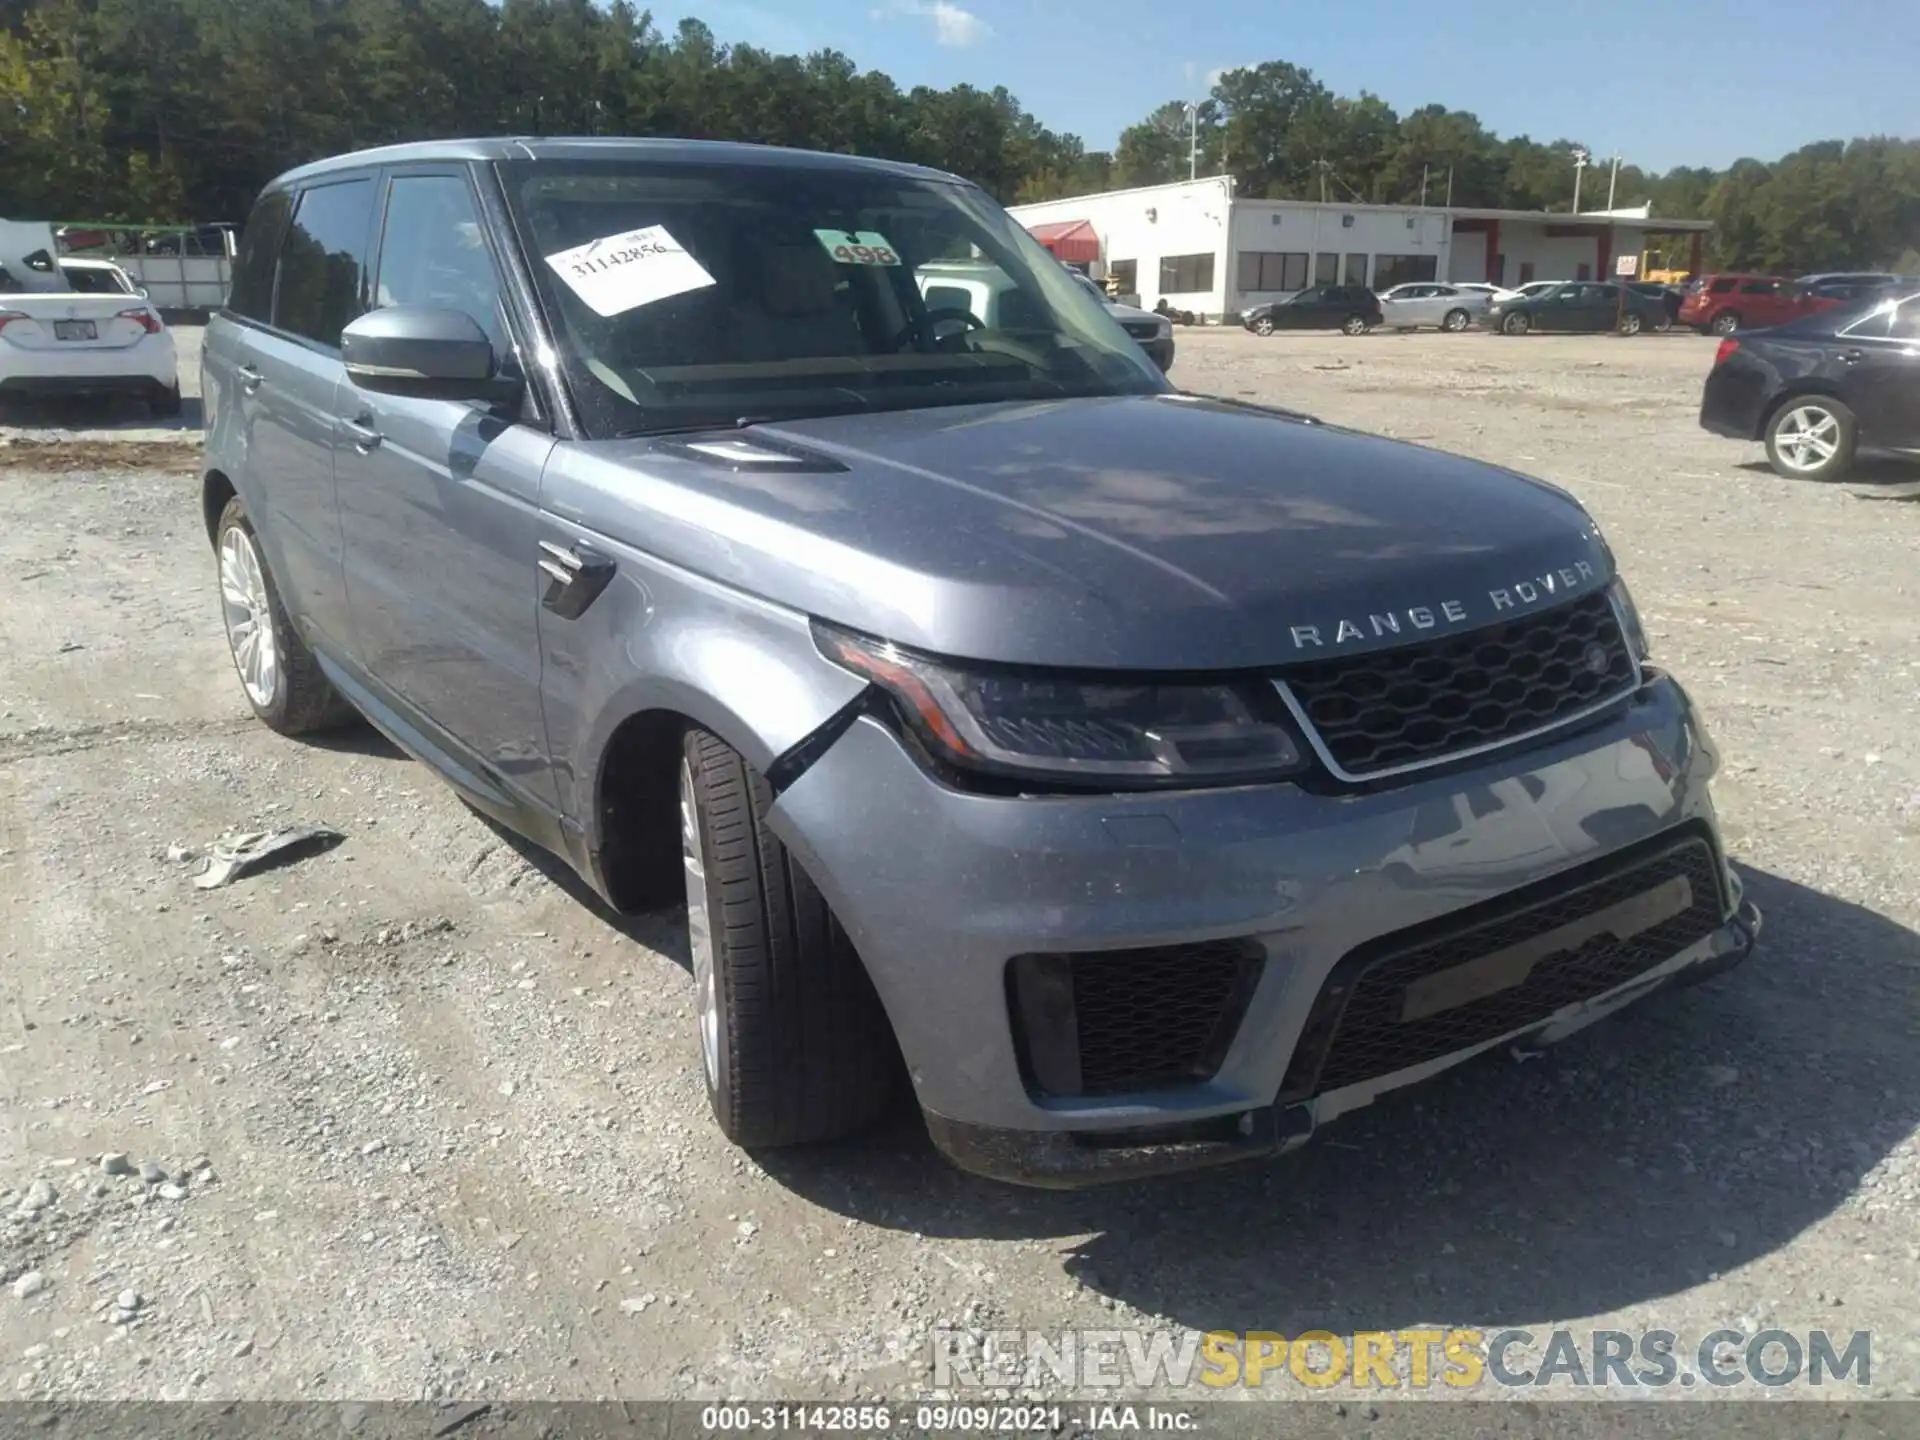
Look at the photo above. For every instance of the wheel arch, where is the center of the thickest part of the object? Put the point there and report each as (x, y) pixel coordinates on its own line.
(215, 491)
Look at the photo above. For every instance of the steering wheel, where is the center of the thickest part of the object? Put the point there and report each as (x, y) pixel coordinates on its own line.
(924, 322)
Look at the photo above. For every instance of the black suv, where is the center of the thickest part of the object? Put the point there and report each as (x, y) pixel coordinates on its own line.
(1351, 309)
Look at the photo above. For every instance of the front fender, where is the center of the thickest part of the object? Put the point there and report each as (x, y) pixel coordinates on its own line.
(663, 639)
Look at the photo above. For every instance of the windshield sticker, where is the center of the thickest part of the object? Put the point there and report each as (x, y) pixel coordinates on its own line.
(857, 247)
(622, 272)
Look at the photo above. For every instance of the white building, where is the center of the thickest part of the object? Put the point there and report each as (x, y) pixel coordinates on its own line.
(1198, 246)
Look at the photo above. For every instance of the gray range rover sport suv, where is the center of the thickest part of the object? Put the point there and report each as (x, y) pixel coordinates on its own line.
(1143, 779)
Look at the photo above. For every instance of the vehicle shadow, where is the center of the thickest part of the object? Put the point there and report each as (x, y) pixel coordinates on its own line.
(1872, 477)
(63, 414)
(1684, 1138)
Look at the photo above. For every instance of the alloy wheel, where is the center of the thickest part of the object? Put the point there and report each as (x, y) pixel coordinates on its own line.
(699, 929)
(1808, 438)
(248, 612)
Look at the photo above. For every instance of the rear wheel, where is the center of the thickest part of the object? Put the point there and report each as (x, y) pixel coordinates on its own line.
(164, 403)
(1516, 324)
(1354, 325)
(1812, 437)
(1263, 326)
(281, 679)
(1456, 320)
(793, 1042)
(1630, 323)
(1725, 323)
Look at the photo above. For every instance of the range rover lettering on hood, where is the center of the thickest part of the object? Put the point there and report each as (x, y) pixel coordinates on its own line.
(1517, 596)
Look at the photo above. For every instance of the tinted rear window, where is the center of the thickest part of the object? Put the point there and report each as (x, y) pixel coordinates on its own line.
(1721, 287)
(251, 293)
(323, 265)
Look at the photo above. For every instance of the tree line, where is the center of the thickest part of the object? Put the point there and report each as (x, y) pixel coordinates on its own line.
(146, 111)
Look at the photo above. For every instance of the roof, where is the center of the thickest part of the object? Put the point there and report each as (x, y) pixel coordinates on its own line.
(656, 151)
(1075, 240)
(1596, 219)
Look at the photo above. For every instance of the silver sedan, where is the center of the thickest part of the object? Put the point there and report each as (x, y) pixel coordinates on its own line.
(1418, 303)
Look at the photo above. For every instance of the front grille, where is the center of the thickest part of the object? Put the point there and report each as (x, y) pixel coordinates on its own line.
(1499, 967)
(1108, 1021)
(1397, 709)
(1141, 329)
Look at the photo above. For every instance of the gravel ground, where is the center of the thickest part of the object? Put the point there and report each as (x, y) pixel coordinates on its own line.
(417, 1092)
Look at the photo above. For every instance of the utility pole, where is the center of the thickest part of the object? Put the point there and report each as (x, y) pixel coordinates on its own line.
(1423, 187)
(1449, 187)
(1580, 158)
(1193, 140)
(1612, 180)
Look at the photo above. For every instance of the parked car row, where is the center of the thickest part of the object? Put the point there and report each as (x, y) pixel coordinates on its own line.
(1553, 305)
(1720, 304)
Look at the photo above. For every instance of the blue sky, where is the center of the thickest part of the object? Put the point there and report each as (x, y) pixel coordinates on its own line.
(1685, 82)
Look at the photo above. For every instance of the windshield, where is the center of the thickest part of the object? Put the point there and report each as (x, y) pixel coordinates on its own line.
(682, 297)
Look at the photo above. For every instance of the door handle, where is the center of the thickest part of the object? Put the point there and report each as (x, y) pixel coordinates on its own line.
(251, 379)
(365, 438)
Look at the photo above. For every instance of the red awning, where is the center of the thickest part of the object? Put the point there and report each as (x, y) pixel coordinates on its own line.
(1071, 240)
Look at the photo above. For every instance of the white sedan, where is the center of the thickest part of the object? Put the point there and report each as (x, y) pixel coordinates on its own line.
(89, 331)
(1418, 303)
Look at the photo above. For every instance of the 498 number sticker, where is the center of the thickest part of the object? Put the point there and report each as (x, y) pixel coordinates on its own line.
(857, 247)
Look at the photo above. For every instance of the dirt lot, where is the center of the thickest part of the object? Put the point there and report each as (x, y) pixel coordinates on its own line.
(452, 1114)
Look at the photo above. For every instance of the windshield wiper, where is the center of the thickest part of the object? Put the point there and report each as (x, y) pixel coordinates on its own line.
(647, 432)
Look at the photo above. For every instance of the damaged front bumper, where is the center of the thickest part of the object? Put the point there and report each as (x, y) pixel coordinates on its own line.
(1071, 1160)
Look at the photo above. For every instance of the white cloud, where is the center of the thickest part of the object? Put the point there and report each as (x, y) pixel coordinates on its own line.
(952, 25)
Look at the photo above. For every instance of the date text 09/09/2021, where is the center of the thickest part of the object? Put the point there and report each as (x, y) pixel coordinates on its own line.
(928, 1418)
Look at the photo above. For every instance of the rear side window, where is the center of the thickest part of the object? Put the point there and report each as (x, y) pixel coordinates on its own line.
(323, 265)
(1759, 287)
(1720, 287)
(251, 293)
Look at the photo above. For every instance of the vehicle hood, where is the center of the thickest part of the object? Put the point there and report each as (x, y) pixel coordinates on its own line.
(1162, 532)
(1134, 312)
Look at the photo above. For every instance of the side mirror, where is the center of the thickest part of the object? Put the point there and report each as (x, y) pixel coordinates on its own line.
(427, 353)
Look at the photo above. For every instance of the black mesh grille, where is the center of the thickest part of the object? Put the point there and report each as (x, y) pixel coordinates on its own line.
(1374, 1016)
(1420, 704)
(1141, 329)
(1108, 1021)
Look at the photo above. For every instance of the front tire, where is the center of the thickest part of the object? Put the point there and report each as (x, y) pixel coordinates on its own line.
(1630, 323)
(1812, 437)
(1263, 326)
(278, 674)
(1516, 325)
(1456, 321)
(1353, 325)
(794, 1044)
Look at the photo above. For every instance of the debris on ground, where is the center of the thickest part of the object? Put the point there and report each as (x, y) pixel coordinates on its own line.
(232, 856)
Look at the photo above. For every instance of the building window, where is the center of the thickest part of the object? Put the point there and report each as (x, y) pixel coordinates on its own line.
(1326, 268)
(1392, 270)
(1125, 275)
(1273, 270)
(1186, 274)
(1356, 270)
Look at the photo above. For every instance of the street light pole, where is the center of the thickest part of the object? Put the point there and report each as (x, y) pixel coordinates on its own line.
(1612, 180)
(1193, 141)
(1579, 164)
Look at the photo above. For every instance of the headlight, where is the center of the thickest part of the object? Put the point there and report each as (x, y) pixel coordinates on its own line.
(1071, 730)
(1630, 625)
